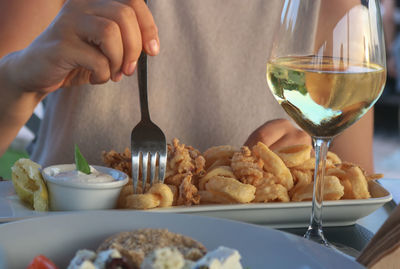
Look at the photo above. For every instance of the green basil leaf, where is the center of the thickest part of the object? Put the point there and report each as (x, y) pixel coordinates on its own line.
(80, 162)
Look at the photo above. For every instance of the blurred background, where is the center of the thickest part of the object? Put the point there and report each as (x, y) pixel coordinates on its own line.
(387, 108)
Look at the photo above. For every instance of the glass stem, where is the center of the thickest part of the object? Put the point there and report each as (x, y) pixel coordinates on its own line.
(314, 232)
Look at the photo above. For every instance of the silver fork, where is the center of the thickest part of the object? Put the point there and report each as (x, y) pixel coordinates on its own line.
(148, 143)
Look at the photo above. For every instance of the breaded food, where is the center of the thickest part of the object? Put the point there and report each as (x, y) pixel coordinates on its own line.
(188, 193)
(159, 194)
(294, 155)
(227, 175)
(29, 184)
(273, 164)
(333, 190)
(247, 168)
(213, 154)
(137, 244)
(185, 165)
(120, 161)
(353, 179)
(183, 159)
(231, 188)
(271, 192)
(222, 171)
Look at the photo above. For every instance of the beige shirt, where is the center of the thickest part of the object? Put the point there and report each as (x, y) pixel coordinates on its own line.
(207, 86)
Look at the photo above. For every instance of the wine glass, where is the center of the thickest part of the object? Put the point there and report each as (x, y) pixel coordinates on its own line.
(327, 68)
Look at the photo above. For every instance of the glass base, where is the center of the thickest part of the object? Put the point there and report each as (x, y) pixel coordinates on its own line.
(316, 235)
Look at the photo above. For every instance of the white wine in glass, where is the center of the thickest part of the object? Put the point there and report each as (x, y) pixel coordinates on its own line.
(327, 68)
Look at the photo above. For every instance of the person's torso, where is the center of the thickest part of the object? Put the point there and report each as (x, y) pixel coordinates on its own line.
(207, 86)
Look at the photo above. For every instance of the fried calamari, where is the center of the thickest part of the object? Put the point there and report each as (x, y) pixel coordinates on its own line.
(227, 175)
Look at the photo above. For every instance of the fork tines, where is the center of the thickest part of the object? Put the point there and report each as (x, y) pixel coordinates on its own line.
(140, 168)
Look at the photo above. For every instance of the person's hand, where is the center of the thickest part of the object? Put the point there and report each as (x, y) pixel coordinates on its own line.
(90, 41)
(278, 133)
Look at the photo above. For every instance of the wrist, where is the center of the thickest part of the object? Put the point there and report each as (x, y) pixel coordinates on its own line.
(12, 78)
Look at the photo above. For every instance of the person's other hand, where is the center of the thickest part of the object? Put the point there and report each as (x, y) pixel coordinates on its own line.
(278, 133)
(90, 41)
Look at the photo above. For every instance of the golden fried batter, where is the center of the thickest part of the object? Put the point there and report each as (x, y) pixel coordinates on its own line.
(294, 155)
(301, 178)
(333, 190)
(188, 193)
(247, 168)
(181, 160)
(271, 192)
(354, 180)
(274, 165)
(223, 171)
(226, 175)
(219, 152)
(231, 188)
(120, 161)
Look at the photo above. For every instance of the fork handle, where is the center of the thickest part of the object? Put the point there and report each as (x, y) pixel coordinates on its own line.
(142, 82)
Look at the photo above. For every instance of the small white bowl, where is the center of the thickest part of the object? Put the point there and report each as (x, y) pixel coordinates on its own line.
(66, 196)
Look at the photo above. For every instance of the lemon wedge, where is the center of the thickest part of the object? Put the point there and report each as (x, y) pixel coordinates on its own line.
(29, 184)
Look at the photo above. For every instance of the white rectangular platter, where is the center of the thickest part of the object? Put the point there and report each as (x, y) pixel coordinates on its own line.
(276, 215)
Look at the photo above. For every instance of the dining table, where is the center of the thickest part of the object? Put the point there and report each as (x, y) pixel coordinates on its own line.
(356, 236)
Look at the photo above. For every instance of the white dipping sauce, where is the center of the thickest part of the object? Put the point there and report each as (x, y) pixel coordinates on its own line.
(60, 173)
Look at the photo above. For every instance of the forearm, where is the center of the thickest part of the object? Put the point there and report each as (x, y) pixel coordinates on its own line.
(16, 106)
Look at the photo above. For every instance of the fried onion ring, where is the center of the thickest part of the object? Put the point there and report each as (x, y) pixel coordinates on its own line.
(164, 194)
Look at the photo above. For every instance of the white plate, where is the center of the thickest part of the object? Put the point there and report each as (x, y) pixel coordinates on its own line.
(59, 237)
(276, 215)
